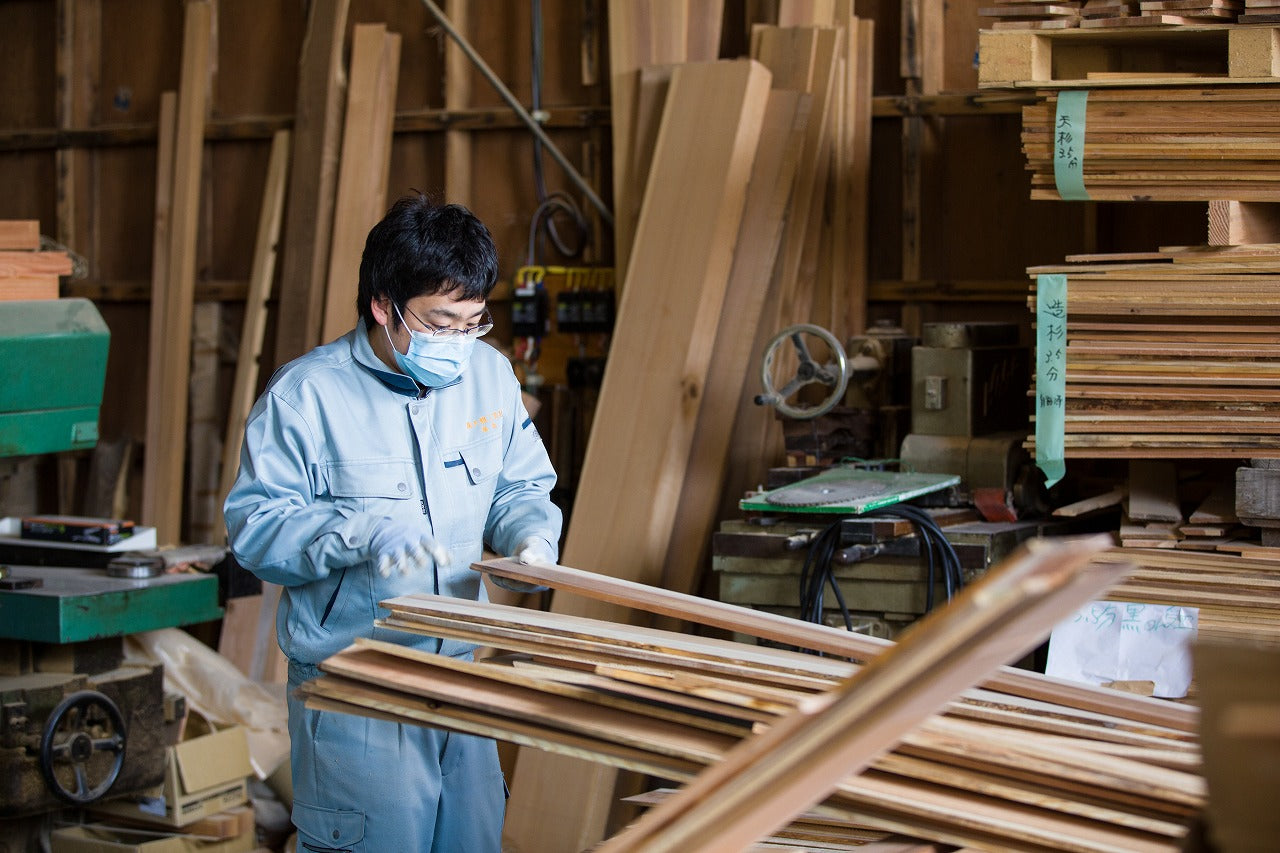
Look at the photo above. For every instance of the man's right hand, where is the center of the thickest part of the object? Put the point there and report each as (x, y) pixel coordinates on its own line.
(404, 547)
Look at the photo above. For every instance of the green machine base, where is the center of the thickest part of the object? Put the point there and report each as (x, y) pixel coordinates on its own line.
(71, 605)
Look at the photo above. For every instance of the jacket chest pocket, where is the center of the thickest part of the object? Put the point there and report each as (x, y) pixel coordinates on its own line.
(382, 486)
(470, 476)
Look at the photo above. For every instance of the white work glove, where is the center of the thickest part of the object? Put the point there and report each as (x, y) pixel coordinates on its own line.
(532, 551)
(405, 547)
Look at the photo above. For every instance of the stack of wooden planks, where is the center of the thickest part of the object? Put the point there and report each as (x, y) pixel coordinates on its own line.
(1164, 144)
(1018, 14)
(991, 769)
(1238, 597)
(1172, 353)
(25, 271)
(1021, 15)
(1261, 12)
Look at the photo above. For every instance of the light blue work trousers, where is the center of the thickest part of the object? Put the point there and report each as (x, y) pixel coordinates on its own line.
(362, 785)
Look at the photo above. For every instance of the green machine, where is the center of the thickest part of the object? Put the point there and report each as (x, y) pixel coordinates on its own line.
(78, 721)
(53, 367)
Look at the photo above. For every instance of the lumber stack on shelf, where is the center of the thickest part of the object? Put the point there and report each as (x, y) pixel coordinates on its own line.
(1172, 353)
(1238, 597)
(1171, 144)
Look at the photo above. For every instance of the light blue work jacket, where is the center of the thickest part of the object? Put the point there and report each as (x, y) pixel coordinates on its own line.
(338, 444)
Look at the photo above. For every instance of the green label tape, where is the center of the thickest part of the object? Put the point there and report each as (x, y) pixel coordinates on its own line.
(1068, 145)
(1051, 375)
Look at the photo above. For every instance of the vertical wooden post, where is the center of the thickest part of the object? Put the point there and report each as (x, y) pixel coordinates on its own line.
(362, 172)
(78, 75)
(457, 96)
(317, 136)
(167, 386)
(921, 66)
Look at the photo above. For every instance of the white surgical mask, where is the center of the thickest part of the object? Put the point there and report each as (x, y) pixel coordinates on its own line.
(433, 361)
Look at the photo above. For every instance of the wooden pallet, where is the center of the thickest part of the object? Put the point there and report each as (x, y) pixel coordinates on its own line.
(1128, 56)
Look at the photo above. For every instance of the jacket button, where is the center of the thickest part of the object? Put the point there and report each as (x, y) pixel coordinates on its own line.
(475, 472)
(402, 487)
(336, 835)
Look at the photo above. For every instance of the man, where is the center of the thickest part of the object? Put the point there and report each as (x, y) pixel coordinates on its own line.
(379, 465)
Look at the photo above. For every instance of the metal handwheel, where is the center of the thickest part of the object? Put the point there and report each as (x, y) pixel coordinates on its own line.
(85, 725)
(834, 374)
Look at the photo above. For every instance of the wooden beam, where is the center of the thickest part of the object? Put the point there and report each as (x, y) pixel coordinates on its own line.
(1233, 223)
(19, 234)
(168, 386)
(244, 387)
(316, 140)
(457, 96)
(653, 388)
(79, 72)
(363, 169)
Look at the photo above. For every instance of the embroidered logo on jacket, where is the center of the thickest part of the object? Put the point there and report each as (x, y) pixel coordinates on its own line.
(493, 421)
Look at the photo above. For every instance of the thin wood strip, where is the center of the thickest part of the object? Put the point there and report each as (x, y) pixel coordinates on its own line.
(830, 640)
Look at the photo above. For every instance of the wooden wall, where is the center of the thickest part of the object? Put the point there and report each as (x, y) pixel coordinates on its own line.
(78, 66)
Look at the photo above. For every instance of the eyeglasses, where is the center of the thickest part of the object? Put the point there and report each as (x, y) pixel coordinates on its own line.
(478, 330)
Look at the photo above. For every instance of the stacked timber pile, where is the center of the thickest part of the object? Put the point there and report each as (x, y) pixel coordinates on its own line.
(1261, 12)
(1163, 144)
(1023, 762)
(25, 271)
(1238, 597)
(1016, 14)
(1172, 354)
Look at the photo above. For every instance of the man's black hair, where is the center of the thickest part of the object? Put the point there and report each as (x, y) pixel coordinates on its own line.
(424, 248)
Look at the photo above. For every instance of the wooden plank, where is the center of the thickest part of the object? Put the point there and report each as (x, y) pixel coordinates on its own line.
(457, 96)
(1153, 492)
(1234, 223)
(19, 287)
(79, 73)
(20, 234)
(362, 172)
(766, 781)
(24, 264)
(248, 361)
(641, 33)
(822, 638)
(204, 427)
(768, 191)
(167, 387)
(651, 396)
(317, 133)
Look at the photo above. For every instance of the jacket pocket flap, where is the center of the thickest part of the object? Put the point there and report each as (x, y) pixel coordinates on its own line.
(338, 828)
(482, 461)
(380, 478)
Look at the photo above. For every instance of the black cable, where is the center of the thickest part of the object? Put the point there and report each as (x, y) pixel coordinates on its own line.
(819, 572)
(549, 204)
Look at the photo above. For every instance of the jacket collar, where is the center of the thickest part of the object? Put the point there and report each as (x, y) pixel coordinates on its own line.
(363, 353)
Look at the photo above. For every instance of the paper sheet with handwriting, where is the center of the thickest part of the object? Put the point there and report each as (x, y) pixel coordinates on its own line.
(1108, 641)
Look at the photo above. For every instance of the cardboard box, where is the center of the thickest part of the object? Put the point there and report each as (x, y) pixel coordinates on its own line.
(204, 775)
(100, 838)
